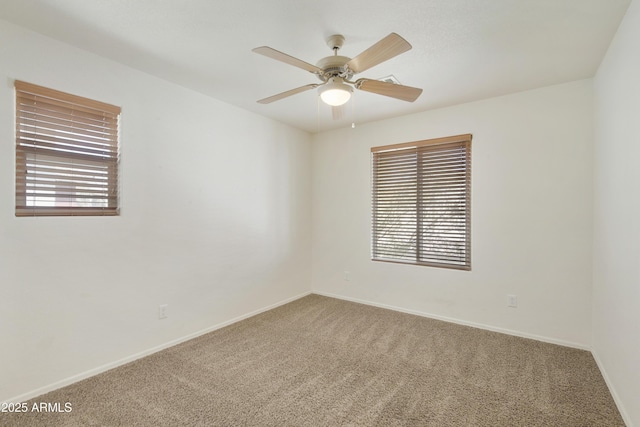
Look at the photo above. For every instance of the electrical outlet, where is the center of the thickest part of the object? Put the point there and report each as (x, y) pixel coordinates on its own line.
(347, 275)
(162, 311)
(512, 301)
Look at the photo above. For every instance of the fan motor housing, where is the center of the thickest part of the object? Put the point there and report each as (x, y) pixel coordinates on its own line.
(334, 66)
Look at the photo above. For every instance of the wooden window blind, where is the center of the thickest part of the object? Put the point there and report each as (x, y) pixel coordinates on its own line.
(421, 195)
(66, 154)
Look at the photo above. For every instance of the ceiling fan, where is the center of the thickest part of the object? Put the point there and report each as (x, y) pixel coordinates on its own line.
(336, 72)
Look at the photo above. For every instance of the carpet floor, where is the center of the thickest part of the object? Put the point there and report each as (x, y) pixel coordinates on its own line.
(320, 361)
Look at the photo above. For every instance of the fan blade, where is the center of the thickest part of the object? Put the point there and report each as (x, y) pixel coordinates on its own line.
(385, 49)
(405, 93)
(287, 93)
(337, 112)
(287, 59)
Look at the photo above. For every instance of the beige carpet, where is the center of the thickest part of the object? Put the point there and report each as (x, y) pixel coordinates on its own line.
(324, 362)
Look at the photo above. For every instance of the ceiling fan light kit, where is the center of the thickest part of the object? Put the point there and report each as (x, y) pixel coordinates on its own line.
(335, 92)
(335, 72)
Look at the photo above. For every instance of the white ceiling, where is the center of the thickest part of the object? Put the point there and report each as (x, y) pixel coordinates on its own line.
(463, 50)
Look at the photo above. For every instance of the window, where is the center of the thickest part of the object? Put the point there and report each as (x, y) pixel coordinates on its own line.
(421, 195)
(66, 154)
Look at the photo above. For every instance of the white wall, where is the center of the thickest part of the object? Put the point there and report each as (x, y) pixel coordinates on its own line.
(531, 215)
(616, 257)
(215, 223)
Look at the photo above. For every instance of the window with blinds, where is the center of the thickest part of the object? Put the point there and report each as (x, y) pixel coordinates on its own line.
(421, 194)
(66, 154)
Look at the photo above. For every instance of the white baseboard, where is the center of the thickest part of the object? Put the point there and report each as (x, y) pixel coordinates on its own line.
(100, 369)
(612, 390)
(459, 322)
